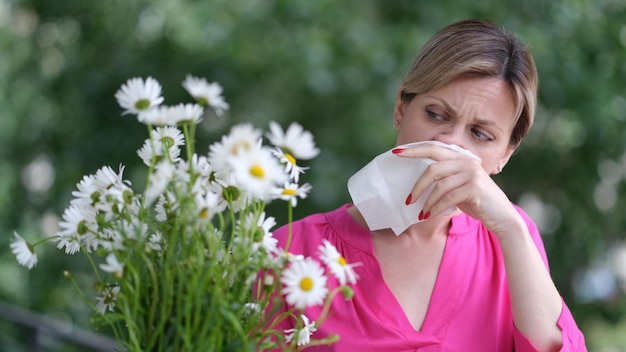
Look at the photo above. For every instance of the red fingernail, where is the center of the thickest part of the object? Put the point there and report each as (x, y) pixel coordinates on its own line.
(421, 216)
(397, 150)
(408, 199)
(427, 215)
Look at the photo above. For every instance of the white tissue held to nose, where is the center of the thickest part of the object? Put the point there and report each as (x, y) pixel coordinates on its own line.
(380, 188)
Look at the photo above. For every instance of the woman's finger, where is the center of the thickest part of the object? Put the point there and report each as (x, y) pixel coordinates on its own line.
(430, 151)
(446, 193)
(435, 172)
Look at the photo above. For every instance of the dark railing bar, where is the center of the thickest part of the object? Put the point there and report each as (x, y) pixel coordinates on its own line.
(36, 322)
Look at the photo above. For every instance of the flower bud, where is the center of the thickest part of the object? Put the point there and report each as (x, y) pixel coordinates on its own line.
(99, 286)
(348, 292)
(268, 280)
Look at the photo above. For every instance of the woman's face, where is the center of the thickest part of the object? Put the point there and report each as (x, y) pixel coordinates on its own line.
(476, 114)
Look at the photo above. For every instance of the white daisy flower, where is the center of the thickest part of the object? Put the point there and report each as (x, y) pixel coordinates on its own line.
(198, 166)
(252, 308)
(281, 257)
(206, 93)
(108, 299)
(337, 264)
(88, 193)
(168, 137)
(78, 220)
(164, 144)
(302, 336)
(111, 239)
(289, 161)
(166, 207)
(296, 141)
(257, 172)
(292, 145)
(158, 181)
(230, 194)
(132, 229)
(265, 238)
(268, 280)
(241, 138)
(157, 116)
(291, 191)
(119, 198)
(106, 178)
(172, 115)
(201, 165)
(182, 175)
(113, 266)
(137, 95)
(161, 208)
(206, 205)
(105, 191)
(24, 252)
(155, 240)
(304, 283)
(185, 113)
(71, 243)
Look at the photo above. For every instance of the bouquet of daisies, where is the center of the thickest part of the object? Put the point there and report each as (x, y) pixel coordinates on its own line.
(190, 263)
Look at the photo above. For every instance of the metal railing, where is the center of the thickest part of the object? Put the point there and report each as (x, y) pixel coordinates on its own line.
(36, 326)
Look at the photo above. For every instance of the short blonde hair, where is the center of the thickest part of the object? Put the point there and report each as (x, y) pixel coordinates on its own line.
(477, 48)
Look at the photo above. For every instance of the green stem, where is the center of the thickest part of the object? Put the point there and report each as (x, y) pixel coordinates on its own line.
(81, 294)
(189, 145)
(154, 298)
(46, 239)
(93, 266)
(290, 225)
(153, 159)
(324, 314)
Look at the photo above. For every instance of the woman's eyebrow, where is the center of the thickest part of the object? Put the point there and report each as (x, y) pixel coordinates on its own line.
(483, 122)
(447, 106)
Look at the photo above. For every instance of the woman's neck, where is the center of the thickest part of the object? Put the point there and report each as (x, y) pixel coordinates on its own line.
(423, 230)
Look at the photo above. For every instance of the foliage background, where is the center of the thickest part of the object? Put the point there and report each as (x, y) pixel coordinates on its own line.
(333, 66)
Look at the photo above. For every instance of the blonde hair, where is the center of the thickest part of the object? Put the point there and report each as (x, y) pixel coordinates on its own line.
(477, 48)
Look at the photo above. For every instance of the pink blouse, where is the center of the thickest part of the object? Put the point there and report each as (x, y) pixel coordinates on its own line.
(470, 308)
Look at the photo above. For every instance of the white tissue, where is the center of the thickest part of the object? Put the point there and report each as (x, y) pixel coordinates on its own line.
(379, 190)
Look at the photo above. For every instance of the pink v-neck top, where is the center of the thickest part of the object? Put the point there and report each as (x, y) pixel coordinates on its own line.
(470, 309)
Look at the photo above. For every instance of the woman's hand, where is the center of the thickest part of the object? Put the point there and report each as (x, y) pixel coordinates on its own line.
(460, 181)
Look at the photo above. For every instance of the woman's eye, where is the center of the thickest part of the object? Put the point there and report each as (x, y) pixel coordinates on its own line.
(433, 115)
(481, 135)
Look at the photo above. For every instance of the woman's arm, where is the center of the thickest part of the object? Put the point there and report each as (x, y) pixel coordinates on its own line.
(535, 300)
(461, 181)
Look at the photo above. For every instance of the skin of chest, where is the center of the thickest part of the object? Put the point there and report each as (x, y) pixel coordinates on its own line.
(410, 265)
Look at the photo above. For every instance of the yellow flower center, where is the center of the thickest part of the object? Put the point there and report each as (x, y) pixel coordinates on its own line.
(167, 141)
(82, 227)
(290, 158)
(204, 213)
(342, 261)
(202, 100)
(258, 235)
(142, 104)
(306, 284)
(289, 192)
(257, 171)
(241, 144)
(231, 193)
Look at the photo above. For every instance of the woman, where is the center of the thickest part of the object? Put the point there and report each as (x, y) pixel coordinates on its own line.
(473, 280)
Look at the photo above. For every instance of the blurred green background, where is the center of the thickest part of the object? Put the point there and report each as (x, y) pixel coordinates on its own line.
(334, 67)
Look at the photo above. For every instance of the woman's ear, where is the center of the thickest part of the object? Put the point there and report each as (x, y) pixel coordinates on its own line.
(398, 110)
(505, 159)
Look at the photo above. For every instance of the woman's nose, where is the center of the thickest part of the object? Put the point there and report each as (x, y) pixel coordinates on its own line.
(451, 135)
